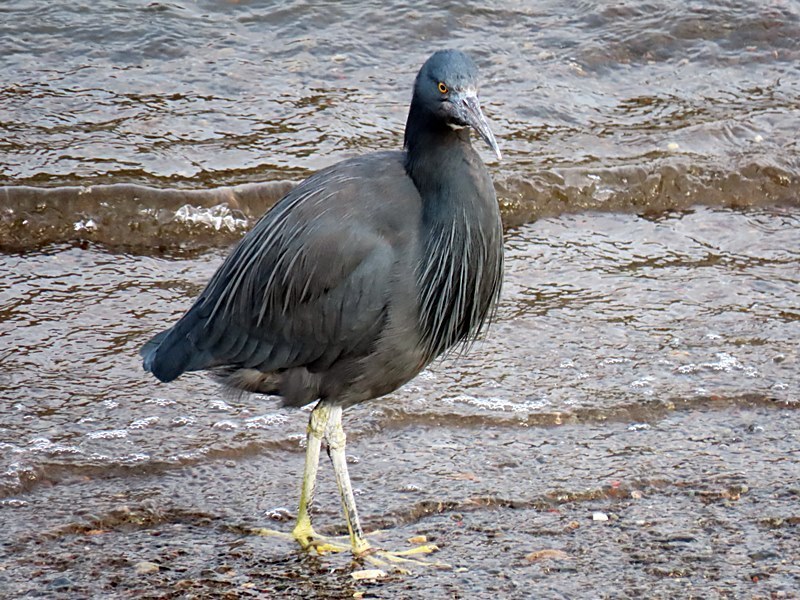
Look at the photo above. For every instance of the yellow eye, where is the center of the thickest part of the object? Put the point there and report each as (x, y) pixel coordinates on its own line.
(442, 87)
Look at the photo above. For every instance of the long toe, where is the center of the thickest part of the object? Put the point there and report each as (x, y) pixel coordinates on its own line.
(308, 539)
(405, 560)
(323, 545)
(266, 532)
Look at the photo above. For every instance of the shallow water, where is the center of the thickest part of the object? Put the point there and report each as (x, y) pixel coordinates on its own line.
(643, 364)
(654, 106)
(653, 352)
(603, 316)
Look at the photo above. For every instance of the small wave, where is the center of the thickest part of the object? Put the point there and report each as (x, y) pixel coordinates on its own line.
(725, 362)
(144, 219)
(129, 216)
(218, 218)
(668, 187)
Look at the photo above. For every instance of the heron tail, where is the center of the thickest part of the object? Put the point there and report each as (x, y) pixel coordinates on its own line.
(172, 352)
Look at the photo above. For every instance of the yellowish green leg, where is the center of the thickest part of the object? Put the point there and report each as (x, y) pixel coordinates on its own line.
(336, 438)
(326, 423)
(334, 434)
(303, 531)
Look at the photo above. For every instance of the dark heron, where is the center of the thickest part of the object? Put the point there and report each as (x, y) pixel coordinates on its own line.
(357, 279)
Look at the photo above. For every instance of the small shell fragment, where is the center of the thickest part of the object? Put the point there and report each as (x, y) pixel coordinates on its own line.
(368, 574)
(599, 516)
(418, 539)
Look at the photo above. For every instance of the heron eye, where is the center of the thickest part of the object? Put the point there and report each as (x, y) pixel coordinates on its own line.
(442, 87)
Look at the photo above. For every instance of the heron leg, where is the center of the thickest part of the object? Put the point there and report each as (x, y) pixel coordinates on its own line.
(326, 423)
(303, 531)
(334, 434)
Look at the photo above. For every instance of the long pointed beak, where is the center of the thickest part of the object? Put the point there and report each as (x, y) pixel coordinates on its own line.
(470, 111)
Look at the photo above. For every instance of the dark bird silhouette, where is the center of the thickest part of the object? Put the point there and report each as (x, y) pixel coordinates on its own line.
(357, 279)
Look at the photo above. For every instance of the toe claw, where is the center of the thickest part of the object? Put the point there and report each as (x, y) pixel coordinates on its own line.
(322, 547)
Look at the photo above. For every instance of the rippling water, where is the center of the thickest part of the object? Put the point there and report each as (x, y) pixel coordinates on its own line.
(646, 343)
(653, 105)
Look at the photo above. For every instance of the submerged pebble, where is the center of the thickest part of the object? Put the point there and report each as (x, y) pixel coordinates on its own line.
(546, 554)
(146, 567)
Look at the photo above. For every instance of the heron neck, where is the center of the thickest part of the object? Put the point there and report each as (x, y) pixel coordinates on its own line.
(461, 253)
(437, 156)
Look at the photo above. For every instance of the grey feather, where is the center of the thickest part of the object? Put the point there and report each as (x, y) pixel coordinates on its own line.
(363, 274)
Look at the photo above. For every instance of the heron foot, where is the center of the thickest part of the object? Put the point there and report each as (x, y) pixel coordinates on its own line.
(308, 539)
(399, 560)
(404, 560)
(323, 545)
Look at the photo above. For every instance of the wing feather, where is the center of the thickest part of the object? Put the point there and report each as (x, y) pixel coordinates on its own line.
(307, 285)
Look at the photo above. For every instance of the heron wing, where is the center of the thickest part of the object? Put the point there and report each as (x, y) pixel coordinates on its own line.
(308, 284)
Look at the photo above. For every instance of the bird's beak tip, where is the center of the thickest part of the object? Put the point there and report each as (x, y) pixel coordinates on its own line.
(488, 137)
(475, 117)
(497, 153)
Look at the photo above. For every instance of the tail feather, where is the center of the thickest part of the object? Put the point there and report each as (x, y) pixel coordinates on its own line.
(172, 352)
(193, 344)
(150, 347)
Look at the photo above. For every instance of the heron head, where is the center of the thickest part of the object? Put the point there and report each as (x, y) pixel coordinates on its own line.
(447, 86)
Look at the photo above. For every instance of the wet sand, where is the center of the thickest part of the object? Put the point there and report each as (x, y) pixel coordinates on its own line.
(694, 504)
